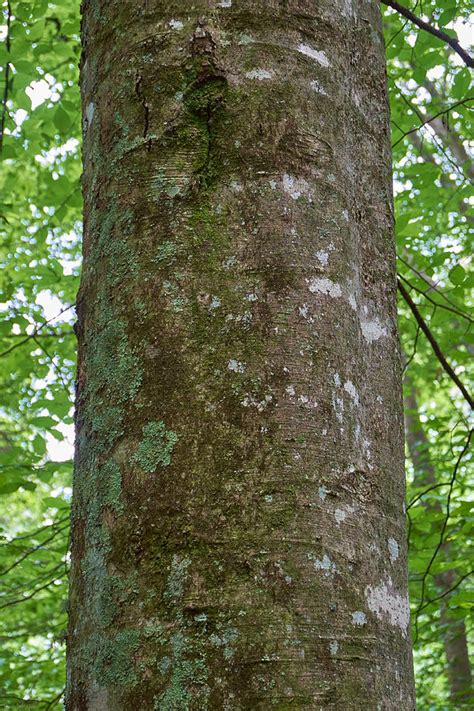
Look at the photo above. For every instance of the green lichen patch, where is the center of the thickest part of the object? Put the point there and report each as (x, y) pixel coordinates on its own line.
(166, 253)
(177, 577)
(114, 661)
(185, 674)
(155, 448)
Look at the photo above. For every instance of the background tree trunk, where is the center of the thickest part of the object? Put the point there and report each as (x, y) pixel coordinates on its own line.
(453, 631)
(238, 526)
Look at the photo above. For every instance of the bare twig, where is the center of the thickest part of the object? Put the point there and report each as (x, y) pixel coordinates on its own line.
(434, 344)
(35, 332)
(446, 592)
(431, 118)
(455, 311)
(443, 529)
(452, 41)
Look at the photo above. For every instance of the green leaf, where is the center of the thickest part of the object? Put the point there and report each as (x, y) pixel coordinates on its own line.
(62, 120)
(462, 82)
(457, 274)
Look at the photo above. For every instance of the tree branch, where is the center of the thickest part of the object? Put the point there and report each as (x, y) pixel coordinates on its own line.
(454, 43)
(433, 342)
(455, 311)
(443, 529)
(428, 120)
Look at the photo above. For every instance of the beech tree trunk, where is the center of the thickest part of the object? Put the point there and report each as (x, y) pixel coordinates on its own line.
(238, 526)
(453, 631)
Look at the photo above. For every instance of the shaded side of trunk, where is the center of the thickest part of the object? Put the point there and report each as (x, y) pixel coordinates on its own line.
(453, 631)
(238, 527)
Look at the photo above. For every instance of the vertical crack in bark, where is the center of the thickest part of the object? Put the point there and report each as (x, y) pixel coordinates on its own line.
(146, 109)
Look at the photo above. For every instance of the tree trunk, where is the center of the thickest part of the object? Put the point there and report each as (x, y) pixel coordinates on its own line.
(453, 631)
(238, 526)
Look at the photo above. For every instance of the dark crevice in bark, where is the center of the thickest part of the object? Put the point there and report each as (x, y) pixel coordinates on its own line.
(146, 108)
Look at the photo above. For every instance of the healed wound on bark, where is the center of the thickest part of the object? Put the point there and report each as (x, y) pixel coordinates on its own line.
(238, 532)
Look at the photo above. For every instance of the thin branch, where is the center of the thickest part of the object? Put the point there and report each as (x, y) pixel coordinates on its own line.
(413, 353)
(426, 491)
(434, 344)
(461, 314)
(19, 600)
(443, 529)
(30, 551)
(452, 41)
(393, 38)
(54, 365)
(446, 592)
(55, 699)
(431, 118)
(35, 332)
(433, 285)
(434, 138)
(37, 532)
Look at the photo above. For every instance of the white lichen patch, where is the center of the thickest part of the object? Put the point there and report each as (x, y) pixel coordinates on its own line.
(316, 86)
(322, 257)
(215, 303)
(359, 618)
(235, 366)
(235, 186)
(352, 302)
(303, 311)
(316, 54)
(333, 647)
(323, 492)
(229, 263)
(307, 401)
(393, 549)
(349, 387)
(341, 514)
(290, 389)
(259, 74)
(296, 187)
(338, 406)
(246, 39)
(260, 405)
(347, 8)
(90, 113)
(176, 24)
(326, 565)
(372, 330)
(324, 286)
(384, 601)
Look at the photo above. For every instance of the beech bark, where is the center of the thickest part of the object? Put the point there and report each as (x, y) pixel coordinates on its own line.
(238, 526)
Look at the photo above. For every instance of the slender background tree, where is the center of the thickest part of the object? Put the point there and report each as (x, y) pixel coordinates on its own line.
(40, 226)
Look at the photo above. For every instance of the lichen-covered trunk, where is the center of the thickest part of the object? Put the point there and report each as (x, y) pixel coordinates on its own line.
(452, 630)
(238, 526)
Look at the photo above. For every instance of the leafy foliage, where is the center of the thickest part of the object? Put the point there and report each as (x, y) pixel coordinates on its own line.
(40, 225)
